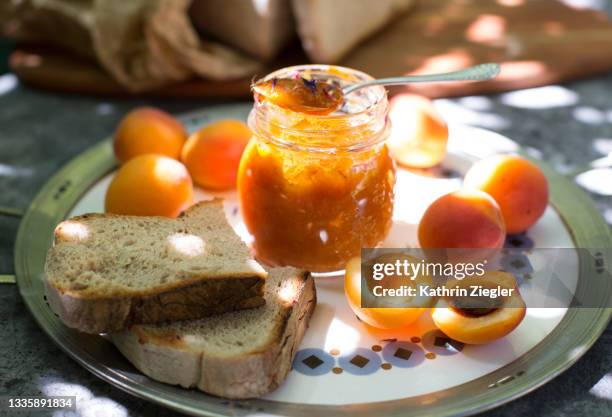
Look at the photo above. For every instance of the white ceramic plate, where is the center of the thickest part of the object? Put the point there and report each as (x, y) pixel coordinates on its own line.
(342, 367)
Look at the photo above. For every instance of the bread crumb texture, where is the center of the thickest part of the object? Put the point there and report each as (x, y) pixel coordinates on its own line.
(102, 255)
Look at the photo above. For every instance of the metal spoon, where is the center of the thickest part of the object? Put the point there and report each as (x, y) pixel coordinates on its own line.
(476, 73)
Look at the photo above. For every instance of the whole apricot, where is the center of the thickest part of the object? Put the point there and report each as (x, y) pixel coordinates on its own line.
(419, 134)
(150, 185)
(148, 130)
(212, 154)
(517, 185)
(462, 219)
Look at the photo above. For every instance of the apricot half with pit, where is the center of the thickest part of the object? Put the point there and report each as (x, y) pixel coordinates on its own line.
(482, 318)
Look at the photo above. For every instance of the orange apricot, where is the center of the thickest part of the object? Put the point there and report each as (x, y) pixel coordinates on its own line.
(384, 317)
(212, 154)
(419, 134)
(148, 130)
(462, 219)
(150, 185)
(480, 325)
(517, 185)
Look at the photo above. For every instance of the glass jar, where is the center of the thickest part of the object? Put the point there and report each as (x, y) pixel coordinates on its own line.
(315, 189)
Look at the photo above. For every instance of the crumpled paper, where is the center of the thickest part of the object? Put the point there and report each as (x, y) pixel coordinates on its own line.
(143, 43)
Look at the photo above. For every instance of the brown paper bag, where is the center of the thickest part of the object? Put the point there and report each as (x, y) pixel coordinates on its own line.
(142, 43)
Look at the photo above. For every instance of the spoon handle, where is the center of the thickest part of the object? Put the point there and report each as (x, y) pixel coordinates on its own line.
(475, 73)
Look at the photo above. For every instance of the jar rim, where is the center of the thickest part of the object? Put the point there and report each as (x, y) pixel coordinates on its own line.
(373, 111)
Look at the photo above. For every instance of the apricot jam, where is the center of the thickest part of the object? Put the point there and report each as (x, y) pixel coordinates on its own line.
(316, 188)
(304, 95)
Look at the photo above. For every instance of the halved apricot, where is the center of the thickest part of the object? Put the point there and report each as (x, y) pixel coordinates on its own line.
(517, 185)
(478, 323)
(148, 130)
(384, 317)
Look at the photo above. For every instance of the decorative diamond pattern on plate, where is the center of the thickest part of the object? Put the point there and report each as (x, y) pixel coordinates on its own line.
(403, 353)
(359, 361)
(312, 362)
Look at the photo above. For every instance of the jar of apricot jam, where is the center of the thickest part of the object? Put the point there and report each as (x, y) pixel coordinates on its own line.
(316, 188)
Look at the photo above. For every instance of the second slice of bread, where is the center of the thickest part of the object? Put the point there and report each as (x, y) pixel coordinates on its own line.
(242, 354)
(107, 271)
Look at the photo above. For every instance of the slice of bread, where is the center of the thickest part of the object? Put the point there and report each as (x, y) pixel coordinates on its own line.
(242, 354)
(107, 271)
(329, 29)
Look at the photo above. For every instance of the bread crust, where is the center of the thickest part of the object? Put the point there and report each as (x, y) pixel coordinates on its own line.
(103, 315)
(169, 359)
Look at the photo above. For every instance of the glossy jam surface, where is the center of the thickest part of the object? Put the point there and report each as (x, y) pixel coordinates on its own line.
(315, 211)
(300, 94)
